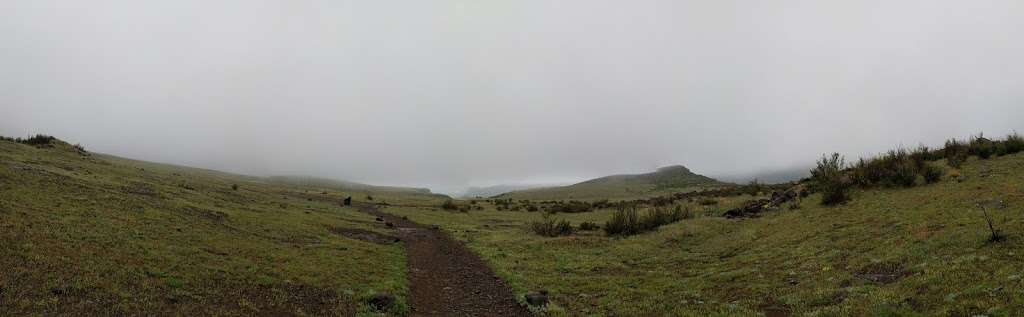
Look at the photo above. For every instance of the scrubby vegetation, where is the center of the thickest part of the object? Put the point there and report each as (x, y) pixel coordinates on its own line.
(449, 205)
(903, 168)
(629, 221)
(35, 140)
(589, 226)
(828, 179)
(549, 227)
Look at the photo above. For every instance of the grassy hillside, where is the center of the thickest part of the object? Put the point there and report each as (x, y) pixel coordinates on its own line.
(99, 235)
(380, 193)
(665, 180)
(919, 251)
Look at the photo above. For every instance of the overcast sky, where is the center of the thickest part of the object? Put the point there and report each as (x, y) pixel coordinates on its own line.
(446, 94)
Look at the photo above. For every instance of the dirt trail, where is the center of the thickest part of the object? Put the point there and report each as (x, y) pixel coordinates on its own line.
(446, 279)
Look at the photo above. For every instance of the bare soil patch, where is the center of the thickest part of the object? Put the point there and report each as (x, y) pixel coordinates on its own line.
(446, 279)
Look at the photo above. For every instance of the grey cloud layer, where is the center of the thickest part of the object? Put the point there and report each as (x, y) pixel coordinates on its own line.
(450, 93)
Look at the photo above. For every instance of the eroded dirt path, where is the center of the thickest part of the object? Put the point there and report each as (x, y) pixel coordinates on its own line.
(446, 279)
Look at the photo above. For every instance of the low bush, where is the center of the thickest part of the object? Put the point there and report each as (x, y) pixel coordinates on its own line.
(572, 206)
(551, 228)
(1014, 143)
(981, 147)
(449, 205)
(38, 139)
(625, 221)
(828, 179)
(628, 221)
(931, 173)
(589, 226)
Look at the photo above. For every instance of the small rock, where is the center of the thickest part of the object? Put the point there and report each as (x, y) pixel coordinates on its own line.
(380, 219)
(381, 301)
(58, 291)
(537, 299)
(390, 225)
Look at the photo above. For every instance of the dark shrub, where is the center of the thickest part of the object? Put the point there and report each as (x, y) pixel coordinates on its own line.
(572, 207)
(368, 197)
(981, 147)
(957, 160)
(828, 179)
(625, 221)
(38, 139)
(589, 226)
(80, 148)
(753, 188)
(531, 207)
(449, 205)
(234, 186)
(658, 217)
(1014, 143)
(931, 173)
(551, 228)
(903, 174)
(919, 156)
(955, 152)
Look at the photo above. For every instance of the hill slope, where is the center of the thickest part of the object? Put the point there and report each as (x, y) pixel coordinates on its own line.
(93, 234)
(918, 251)
(665, 180)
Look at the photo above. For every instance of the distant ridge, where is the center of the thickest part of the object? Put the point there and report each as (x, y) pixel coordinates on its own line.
(341, 185)
(669, 179)
(491, 191)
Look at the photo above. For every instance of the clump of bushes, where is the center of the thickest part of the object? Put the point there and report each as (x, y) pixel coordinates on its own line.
(1014, 143)
(552, 228)
(828, 179)
(932, 174)
(903, 168)
(625, 221)
(589, 226)
(572, 206)
(34, 140)
(628, 221)
(449, 205)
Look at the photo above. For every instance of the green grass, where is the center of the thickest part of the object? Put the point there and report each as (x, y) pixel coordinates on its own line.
(815, 260)
(105, 235)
